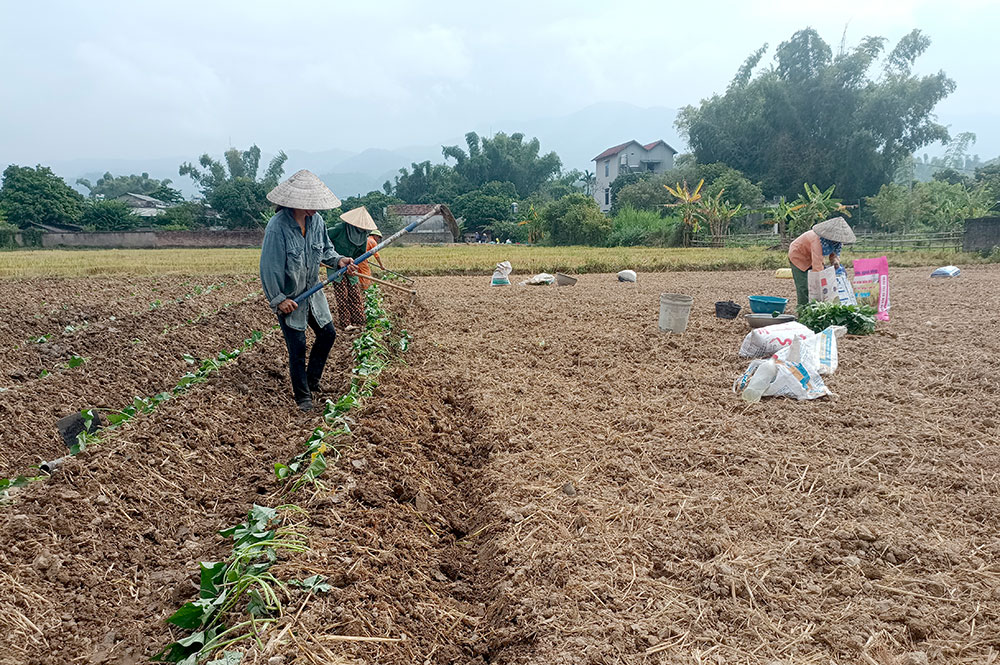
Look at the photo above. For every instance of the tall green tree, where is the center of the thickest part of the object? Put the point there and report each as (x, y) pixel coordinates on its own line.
(928, 206)
(111, 187)
(849, 119)
(185, 215)
(504, 158)
(38, 195)
(109, 215)
(646, 190)
(376, 202)
(426, 183)
(575, 220)
(233, 188)
(988, 177)
(501, 158)
(482, 208)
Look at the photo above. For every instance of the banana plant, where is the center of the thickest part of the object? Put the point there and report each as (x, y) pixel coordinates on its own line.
(718, 215)
(535, 230)
(782, 215)
(814, 207)
(687, 203)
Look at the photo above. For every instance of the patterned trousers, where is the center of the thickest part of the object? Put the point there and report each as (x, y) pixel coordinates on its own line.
(350, 306)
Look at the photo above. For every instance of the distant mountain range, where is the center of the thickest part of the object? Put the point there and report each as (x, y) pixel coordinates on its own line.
(576, 138)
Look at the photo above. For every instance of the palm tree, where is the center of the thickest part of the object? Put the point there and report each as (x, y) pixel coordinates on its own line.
(589, 181)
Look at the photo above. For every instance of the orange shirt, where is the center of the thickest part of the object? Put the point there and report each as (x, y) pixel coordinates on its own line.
(364, 268)
(806, 252)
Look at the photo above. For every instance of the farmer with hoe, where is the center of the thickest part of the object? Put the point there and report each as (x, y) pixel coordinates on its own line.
(295, 243)
(807, 251)
(374, 238)
(350, 238)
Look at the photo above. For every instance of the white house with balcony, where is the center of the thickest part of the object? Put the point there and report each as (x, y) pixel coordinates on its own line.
(630, 157)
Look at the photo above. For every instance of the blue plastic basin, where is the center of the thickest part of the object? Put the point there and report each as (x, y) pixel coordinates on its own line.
(767, 304)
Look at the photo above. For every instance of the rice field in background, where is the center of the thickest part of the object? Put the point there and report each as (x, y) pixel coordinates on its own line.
(435, 260)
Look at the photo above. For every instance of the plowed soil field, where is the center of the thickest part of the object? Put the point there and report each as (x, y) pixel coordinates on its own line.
(544, 477)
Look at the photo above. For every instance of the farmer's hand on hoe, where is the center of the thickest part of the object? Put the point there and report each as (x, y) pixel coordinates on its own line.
(287, 306)
(349, 263)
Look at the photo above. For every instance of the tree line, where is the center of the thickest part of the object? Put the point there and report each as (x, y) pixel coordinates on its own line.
(812, 130)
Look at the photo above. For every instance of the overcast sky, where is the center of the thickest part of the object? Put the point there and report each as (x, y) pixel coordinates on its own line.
(158, 79)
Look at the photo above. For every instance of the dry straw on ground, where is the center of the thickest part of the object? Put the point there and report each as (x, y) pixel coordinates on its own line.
(550, 479)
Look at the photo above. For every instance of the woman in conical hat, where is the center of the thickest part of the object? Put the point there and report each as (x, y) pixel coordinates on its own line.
(295, 243)
(808, 251)
(365, 270)
(349, 237)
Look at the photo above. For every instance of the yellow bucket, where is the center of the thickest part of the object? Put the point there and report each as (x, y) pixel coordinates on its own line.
(783, 273)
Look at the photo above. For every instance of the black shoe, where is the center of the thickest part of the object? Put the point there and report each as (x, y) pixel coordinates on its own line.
(305, 404)
(314, 387)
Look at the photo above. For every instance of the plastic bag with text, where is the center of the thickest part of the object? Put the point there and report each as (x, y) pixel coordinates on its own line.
(818, 351)
(871, 284)
(790, 380)
(844, 289)
(501, 274)
(822, 284)
(796, 376)
(764, 342)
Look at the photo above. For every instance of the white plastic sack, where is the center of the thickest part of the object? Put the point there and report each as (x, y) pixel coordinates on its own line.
(501, 274)
(823, 284)
(781, 378)
(766, 341)
(627, 276)
(947, 271)
(845, 292)
(541, 279)
(817, 351)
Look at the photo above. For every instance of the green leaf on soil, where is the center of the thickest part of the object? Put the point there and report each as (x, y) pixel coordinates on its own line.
(190, 615)
(228, 658)
(19, 481)
(211, 576)
(314, 583)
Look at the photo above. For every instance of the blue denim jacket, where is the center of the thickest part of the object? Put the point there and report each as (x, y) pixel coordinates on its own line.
(289, 264)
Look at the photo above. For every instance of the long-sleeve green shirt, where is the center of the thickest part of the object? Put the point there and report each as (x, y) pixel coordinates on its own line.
(349, 240)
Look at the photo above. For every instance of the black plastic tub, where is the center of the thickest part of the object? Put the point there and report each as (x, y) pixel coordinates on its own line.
(727, 309)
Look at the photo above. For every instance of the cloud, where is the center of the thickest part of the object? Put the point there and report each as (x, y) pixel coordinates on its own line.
(191, 76)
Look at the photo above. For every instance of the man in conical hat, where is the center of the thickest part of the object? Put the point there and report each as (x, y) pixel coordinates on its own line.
(808, 251)
(350, 237)
(295, 243)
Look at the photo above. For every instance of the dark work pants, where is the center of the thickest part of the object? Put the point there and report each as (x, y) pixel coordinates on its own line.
(303, 380)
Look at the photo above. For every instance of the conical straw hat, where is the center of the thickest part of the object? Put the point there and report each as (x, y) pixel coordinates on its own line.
(304, 191)
(360, 218)
(835, 229)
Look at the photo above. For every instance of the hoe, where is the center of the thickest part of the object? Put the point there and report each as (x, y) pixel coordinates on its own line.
(385, 243)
